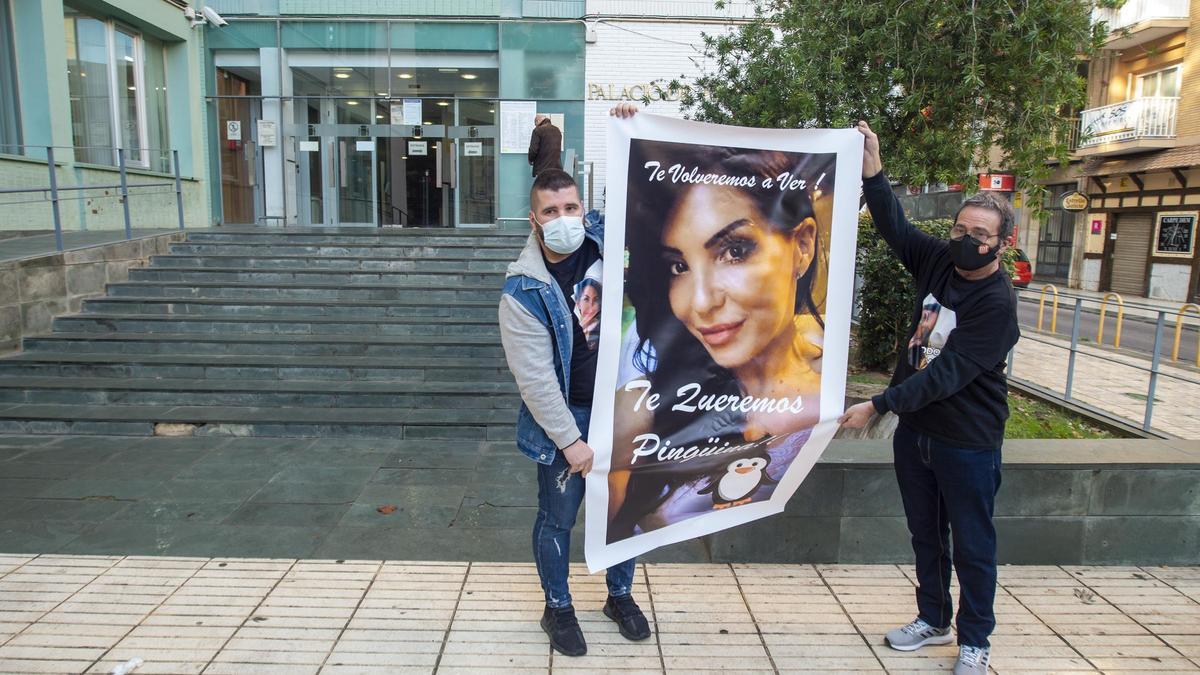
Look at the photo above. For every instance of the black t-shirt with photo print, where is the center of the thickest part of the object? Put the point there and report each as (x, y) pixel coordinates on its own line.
(569, 274)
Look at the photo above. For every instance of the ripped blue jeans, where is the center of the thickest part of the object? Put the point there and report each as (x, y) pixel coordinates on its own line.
(560, 494)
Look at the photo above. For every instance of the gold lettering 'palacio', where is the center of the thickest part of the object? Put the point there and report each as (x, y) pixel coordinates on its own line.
(635, 92)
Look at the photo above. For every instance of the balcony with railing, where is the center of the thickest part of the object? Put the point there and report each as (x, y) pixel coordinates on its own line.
(1139, 21)
(1130, 126)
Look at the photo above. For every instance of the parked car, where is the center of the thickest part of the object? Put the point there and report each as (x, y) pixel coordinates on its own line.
(1022, 269)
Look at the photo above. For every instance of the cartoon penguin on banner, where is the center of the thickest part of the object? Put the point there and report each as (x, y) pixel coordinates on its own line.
(741, 480)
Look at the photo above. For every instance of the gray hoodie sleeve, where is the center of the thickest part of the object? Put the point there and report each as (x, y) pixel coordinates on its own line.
(530, 354)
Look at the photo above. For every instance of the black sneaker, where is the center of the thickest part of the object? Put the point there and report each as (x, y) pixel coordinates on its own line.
(563, 628)
(630, 620)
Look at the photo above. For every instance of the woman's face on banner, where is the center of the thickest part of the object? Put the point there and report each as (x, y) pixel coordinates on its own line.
(589, 304)
(733, 277)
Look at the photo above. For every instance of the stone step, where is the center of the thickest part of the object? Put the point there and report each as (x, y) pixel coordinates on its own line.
(291, 308)
(447, 252)
(424, 238)
(352, 263)
(254, 290)
(303, 275)
(281, 345)
(251, 324)
(316, 394)
(309, 422)
(255, 366)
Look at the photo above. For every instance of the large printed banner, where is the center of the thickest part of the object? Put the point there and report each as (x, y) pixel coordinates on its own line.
(724, 325)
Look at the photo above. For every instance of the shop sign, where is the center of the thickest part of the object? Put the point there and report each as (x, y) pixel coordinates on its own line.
(1004, 182)
(1175, 234)
(1075, 201)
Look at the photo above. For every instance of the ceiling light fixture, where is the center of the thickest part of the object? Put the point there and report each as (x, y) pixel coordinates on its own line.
(342, 76)
(469, 76)
(447, 70)
(351, 102)
(404, 76)
(443, 103)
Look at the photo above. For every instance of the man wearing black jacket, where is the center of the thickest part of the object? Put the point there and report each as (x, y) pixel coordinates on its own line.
(951, 394)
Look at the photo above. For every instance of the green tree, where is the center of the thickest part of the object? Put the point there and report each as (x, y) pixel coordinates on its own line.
(941, 81)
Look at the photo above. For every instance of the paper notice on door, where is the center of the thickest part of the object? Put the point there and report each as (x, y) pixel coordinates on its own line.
(418, 147)
(268, 136)
(472, 149)
(364, 146)
(516, 125)
(412, 111)
(309, 146)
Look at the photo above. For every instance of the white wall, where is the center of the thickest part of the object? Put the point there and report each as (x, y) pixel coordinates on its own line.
(1169, 281)
(1090, 279)
(628, 53)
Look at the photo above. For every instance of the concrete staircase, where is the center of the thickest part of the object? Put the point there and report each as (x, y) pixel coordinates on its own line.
(304, 333)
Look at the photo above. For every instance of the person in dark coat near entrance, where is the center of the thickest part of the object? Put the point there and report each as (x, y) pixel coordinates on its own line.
(545, 146)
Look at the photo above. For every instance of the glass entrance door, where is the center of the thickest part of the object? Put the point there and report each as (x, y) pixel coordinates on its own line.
(353, 168)
(355, 190)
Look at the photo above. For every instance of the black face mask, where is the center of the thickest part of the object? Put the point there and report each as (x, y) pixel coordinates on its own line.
(964, 252)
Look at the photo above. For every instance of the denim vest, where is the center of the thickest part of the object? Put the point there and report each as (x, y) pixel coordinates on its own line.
(546, 302)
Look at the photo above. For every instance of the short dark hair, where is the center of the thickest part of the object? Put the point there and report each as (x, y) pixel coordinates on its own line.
(551, 180)
(993, 202)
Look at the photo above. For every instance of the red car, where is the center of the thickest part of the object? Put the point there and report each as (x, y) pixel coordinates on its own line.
(1022, 270)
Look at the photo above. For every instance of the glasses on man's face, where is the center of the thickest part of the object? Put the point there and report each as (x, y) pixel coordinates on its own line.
(977, 233)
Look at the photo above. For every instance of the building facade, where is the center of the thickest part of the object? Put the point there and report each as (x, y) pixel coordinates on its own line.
(388, 113)
(1137, 160)
(89, 77)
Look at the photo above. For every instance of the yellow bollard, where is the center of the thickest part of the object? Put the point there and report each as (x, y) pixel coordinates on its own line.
(1179, 331)
(1053, 308)
(1120, 318)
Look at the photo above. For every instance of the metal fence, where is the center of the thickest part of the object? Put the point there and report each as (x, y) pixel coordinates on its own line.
(53, 192)
(1108, 348)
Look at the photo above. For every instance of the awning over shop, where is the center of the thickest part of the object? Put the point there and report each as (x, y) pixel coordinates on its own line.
(1161, 160)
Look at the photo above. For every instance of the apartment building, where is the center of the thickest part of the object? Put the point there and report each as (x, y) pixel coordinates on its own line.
(1137, 161)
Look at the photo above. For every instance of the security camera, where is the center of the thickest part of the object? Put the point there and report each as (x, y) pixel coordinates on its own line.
(205, 15)
(213, 18)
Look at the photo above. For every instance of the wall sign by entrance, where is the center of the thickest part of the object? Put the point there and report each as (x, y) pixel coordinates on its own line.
(417, 148)
(655, 91)
(1175, 234)
(1075, 201)
(516, 125)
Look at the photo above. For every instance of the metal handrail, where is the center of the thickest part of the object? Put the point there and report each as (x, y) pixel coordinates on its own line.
(1120, 318)
(1179, 330)
(1053, 309)
(123, 186)
(84, 147)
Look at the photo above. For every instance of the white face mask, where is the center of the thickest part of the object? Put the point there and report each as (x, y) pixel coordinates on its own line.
(563, 235)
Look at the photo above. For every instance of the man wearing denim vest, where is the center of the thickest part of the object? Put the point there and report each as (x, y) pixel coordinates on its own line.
(555, 370)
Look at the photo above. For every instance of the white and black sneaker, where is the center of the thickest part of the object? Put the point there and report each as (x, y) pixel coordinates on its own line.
(916, 635)
(972, 660)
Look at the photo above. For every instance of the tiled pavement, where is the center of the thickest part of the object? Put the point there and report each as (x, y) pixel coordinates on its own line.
(77, 614)
(1113, 382)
